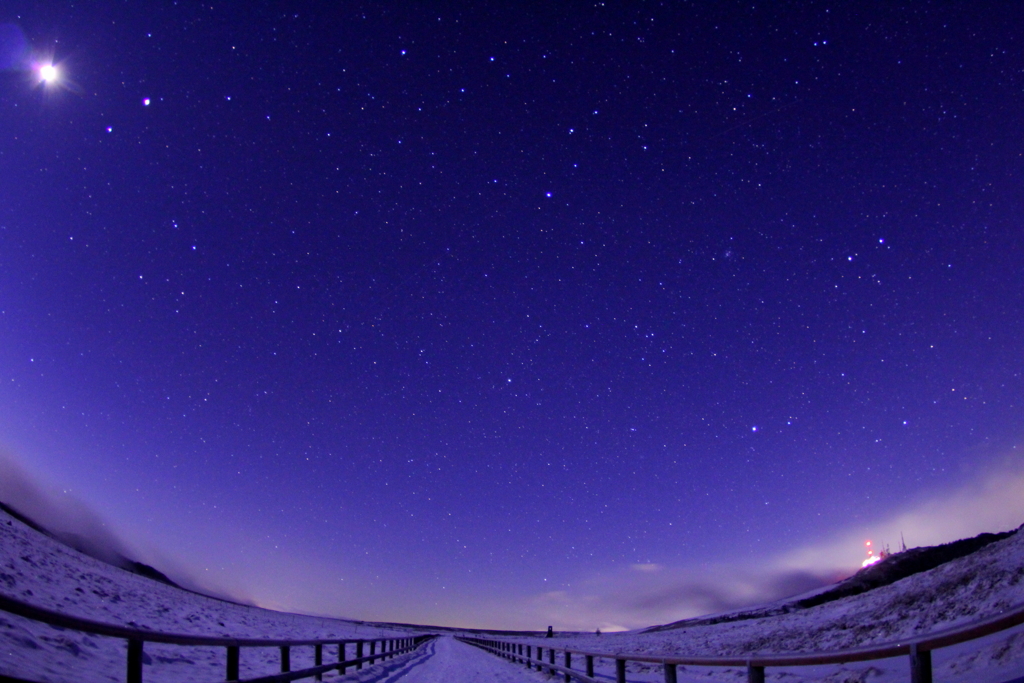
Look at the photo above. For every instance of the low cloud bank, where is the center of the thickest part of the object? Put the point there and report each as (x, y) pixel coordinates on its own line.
(634, 599)
(74, 523)
(991, 501)
(63, 515)
(649, 594)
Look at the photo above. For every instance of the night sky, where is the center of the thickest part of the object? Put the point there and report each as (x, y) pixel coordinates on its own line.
(512, 314)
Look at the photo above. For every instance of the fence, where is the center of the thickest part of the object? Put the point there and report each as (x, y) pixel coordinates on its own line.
(366, 651)
(918, 649)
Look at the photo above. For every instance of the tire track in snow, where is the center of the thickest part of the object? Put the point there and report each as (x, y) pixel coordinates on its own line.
(388, 671)
(452, 661)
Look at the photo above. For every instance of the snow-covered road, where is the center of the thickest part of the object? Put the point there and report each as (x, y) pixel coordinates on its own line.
(446, 660)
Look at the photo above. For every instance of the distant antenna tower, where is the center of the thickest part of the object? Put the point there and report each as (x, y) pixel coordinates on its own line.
(903, 546)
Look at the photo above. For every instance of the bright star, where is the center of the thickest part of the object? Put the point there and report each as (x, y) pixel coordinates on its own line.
(52, 76)
(48, 73)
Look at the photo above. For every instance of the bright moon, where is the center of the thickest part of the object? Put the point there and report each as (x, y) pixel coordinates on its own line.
(48, 72)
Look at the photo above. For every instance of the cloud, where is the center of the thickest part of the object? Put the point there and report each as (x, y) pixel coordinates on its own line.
(648, 594)
(64, 515)
(74, 523)
(14, 48)
(634, 599)
(991, 501)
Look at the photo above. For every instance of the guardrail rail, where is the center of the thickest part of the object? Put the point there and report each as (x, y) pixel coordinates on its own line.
(919, 649)
(366, 651)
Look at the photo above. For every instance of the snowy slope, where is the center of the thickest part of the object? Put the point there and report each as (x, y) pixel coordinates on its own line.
(970, 588)
(40, 570)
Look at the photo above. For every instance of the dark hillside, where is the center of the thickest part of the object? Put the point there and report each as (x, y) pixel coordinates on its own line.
(901, 565)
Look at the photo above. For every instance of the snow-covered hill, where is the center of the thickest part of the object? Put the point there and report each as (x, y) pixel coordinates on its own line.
(40, 570)
(980, 585)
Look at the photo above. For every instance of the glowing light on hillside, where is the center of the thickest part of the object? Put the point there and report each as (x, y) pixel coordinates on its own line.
(872, 558)
(48, 73)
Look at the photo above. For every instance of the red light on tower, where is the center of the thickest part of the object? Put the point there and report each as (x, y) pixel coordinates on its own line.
(872, 558)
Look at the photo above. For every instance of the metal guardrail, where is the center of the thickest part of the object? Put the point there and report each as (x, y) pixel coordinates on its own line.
(919, 649)
(389, 647)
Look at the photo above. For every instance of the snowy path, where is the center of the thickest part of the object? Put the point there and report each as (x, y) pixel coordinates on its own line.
(445, 660)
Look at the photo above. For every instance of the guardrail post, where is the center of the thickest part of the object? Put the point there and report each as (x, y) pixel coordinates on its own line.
(373, 652)
(590, 665)
(670, 673)
(529, 656)
(920, 665)
(286, 659)
(318, 658)
(620, 671)
(341, 657)
(568, 665)
(551, 659)
(134, 674)
(755, 674)
(359, 654)
(232, 663)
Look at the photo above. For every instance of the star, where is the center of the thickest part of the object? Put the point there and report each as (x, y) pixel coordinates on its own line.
(48, 73)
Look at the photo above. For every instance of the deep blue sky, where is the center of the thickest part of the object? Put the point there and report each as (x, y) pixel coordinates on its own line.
(415, 312)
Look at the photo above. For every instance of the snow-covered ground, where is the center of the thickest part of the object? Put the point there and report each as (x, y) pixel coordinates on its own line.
(977, 586)
(37, 569)
(445, 660)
